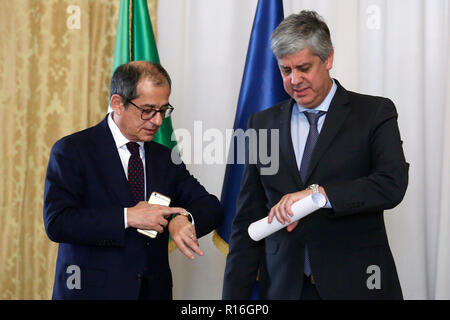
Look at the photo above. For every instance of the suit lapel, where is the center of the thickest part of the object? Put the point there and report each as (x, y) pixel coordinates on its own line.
(337, 113)
(110, 166)
(286, 147)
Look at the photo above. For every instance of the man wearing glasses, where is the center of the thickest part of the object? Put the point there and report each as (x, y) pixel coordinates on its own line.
(97, 184)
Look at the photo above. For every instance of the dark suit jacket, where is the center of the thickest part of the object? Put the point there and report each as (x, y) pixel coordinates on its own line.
(86, 191)
(359, 161)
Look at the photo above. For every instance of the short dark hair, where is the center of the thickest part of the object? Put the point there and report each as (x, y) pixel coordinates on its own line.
(126, 78)
(299, 31)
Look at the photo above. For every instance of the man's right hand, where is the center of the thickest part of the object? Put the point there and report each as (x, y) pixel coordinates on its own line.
(150, 216)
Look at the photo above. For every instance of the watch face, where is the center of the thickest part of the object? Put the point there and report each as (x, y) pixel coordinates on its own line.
(185, 213)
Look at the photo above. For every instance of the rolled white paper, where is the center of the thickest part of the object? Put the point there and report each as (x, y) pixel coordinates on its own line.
(260, 229)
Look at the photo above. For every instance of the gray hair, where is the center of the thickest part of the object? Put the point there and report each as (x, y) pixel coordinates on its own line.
(126, 77)
(299, 31)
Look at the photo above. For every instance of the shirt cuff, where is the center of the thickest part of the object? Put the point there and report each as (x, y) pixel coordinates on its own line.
(125, 211)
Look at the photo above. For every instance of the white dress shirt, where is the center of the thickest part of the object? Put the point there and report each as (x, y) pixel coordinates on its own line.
(124, 154)
(300, 125)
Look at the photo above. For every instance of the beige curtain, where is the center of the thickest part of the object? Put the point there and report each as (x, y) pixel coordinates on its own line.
(54, 80)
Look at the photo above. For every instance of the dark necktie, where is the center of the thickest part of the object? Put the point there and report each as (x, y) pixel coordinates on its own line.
(311, 141)
(135, 173)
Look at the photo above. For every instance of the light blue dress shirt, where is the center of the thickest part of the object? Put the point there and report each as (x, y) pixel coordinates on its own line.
(300, 125)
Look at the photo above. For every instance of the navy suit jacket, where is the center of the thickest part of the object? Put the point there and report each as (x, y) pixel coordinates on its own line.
(86, 191)
(359, 161)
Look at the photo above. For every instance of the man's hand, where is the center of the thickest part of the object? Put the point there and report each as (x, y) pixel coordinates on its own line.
(183, 233)
(150, 216)
(282, 210)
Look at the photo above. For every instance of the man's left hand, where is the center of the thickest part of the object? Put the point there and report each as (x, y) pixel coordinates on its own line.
(282, 210)
(183, 233)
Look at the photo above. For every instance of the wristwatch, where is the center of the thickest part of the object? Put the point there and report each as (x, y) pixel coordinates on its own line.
(185, 213)
(188, 215)
(314, 187)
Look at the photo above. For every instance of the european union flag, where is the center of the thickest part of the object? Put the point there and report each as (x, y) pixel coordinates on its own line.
(261, 88)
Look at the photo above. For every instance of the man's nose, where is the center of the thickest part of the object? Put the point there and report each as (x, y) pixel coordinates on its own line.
(296, 77)
(157, 119)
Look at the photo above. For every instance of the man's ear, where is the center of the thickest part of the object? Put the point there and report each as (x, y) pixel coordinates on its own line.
(329, 61)
(116, 104)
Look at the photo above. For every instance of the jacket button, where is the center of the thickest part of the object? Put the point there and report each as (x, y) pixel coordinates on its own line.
(139, 276)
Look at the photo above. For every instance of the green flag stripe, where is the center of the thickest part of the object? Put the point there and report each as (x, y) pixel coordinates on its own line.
(122, 48)
(144, 44)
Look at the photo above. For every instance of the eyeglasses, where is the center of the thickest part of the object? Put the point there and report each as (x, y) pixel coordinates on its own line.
(149, 113)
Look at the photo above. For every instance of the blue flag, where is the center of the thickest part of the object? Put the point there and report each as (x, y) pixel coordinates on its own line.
(261, 88)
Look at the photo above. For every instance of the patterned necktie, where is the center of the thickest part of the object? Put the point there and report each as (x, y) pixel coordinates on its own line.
(311, 141)
(135, 173)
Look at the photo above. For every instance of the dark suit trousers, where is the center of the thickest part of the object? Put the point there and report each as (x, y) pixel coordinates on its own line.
(146, 292)
(309, 290)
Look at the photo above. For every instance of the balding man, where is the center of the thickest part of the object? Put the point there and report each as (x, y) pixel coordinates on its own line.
(97, 184)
